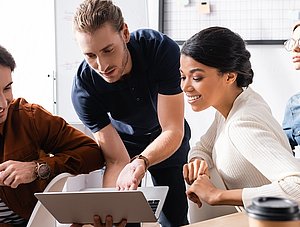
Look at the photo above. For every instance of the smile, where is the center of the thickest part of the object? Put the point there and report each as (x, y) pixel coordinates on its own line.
(1, 110)
(193, 98)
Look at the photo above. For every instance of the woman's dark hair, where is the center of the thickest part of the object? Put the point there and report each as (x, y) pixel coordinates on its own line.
(223, 49)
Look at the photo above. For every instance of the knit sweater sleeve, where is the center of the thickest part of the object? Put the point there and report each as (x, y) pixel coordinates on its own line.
(203, 148)
(264, 146)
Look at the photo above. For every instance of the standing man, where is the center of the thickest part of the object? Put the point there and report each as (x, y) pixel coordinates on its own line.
(127, 92)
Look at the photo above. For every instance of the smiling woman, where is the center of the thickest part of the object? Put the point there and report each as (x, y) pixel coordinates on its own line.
(245, 143)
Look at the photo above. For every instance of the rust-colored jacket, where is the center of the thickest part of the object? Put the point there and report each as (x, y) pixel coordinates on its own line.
(32, 133)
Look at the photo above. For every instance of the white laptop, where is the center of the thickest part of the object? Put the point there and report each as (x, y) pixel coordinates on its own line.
(141, 205)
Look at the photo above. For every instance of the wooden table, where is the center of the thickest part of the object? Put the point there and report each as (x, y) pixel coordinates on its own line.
(239, 219)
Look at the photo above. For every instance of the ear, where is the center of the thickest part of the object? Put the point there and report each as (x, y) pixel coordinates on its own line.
(125, 33)
(231, 77)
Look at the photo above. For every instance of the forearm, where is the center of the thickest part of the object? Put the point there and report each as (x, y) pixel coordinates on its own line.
(115, 154)
(111, 174)
(229, 197)
(163, 146)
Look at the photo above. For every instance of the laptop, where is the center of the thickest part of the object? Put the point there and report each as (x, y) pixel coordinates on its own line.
(141, 205)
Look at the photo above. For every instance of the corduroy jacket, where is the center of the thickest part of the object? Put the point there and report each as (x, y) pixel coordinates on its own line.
(30, 133)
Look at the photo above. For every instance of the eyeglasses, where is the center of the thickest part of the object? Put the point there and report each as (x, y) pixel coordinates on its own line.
(291, 44)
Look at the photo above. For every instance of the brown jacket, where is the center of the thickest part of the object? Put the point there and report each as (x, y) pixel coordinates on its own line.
(32, 133)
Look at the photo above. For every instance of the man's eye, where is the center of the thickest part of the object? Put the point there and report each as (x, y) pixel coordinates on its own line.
(7, 88)
(108, 50)
(90, 55)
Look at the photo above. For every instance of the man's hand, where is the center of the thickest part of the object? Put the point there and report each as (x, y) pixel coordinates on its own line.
(108, 222)
(193, 169)
(131, 175)
(13, 173)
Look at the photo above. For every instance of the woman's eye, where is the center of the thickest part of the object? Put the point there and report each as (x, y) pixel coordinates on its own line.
(182, 78)
(197, 78)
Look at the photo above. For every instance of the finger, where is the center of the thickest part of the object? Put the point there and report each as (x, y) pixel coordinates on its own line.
(122, 223)
(14, 184)
(76, 225)
(3, 175)
(8, 180)
(194, 198)
(108, 221)
(97, 221)
(191, 172)
(4, 165)
(197, 166)
(185, 171)
(133, 186)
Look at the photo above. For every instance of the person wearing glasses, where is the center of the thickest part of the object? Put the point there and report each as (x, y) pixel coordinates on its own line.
(291, 121)
(245, 143)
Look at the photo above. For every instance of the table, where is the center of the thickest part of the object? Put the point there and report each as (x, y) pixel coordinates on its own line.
(239, 219)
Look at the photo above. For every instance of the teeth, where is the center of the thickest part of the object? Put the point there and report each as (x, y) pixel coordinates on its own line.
(1, 110)
(191, 98)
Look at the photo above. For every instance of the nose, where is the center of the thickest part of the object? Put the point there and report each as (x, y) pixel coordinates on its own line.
(296, 48)
(102, 65)
(186, 86)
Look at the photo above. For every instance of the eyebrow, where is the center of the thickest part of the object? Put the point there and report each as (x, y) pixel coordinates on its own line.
(194, 70)
(108, 46)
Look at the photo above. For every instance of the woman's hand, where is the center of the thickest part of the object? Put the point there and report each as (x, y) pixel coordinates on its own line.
(203, 190)
(193, 169)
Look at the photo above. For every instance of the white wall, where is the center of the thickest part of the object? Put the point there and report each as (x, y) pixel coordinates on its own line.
(274, 78)
(27, 31)
(32, 43)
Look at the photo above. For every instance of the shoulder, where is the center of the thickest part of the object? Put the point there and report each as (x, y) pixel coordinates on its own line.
(21, 104)
(150, 36)
(251, 109)
(27, 114)
(294, 101)
(83, 71)
(84, 78)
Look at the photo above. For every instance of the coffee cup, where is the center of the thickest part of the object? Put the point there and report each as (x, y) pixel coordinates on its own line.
(273, 212)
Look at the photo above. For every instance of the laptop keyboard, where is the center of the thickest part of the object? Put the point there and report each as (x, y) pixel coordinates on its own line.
(153, 204)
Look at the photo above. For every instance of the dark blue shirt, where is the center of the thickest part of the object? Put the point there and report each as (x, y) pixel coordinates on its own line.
(130, 104)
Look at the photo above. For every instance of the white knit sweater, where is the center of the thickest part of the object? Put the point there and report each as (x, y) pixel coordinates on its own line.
(250, 151)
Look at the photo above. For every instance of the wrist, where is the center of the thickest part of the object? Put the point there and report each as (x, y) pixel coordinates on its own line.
(219, 197)
(145, 160)
(42, 170)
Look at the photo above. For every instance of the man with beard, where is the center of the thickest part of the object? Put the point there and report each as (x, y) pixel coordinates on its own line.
(127, 92)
